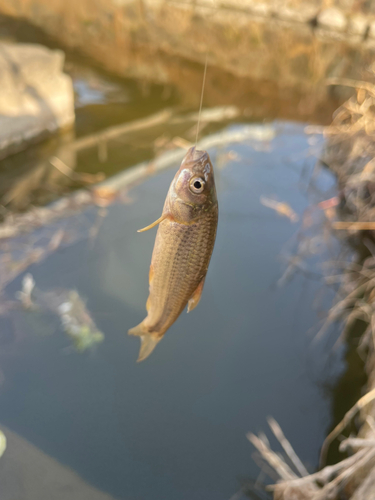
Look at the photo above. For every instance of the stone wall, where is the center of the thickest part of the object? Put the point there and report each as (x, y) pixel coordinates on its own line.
(275, 6)
(296, 43)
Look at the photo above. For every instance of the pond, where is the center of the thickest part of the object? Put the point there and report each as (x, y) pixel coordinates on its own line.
(175, 425)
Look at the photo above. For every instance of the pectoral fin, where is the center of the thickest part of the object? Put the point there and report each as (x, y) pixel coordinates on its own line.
(196, 297)
(163, 217)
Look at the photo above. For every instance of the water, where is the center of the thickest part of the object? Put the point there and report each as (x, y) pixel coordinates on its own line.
(175, 425)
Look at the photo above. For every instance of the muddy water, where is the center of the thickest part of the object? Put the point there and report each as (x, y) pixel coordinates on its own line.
(175, 425)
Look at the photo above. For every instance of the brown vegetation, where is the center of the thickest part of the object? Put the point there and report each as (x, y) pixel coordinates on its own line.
(349, 151)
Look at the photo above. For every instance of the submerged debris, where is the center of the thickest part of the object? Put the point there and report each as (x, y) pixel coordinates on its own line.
(78, 324)
(24, 295)
(70, 308)
(281, 208)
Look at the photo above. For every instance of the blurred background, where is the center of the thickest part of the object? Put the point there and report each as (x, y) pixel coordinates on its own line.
(98, 104)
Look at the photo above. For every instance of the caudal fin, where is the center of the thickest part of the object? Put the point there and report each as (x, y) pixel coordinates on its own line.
(148, 341)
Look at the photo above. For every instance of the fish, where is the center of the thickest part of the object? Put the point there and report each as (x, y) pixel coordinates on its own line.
(183, 247)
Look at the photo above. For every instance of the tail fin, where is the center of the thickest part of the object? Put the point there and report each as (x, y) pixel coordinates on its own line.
(148, 341)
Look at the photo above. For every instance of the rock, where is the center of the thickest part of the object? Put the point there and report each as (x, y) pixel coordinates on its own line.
(302, 14)
(28, 473)
(261, 8)
(358, 25)
(332, 19)
(36, 97)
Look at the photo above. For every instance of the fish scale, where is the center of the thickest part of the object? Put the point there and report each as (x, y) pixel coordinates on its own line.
(184, 265)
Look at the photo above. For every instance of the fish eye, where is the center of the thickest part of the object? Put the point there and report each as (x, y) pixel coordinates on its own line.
(197, 185)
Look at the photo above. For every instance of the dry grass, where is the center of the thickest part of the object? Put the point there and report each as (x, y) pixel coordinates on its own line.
(350, 153)
(293, 482)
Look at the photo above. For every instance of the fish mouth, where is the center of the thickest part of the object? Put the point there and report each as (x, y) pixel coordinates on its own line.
(195, 155)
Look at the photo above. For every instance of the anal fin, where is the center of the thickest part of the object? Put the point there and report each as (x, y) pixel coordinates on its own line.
(196, 297)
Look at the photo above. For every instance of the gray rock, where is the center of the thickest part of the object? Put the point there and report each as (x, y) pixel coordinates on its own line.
(332, 19)
(36, 97)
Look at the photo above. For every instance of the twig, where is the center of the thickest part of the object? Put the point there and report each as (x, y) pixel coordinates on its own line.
(325, 475)
(366, 399)
(346, 474)
(284, 471)
(347, 82)
(356, 226)
(118, 130)
(261, 463)
(69, 172)
(371, 423)
(356, 443)
(61, 166)
(276, 429)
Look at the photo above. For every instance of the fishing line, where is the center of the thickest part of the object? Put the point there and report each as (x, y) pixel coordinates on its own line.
(200, 106)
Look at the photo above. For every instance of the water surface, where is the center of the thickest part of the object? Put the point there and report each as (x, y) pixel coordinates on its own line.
(175, 425)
